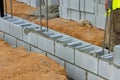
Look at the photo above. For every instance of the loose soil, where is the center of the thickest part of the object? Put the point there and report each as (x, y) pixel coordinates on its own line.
(86, 33)
(18, 64)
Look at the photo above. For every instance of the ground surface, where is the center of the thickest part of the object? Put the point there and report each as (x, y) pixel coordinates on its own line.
(92, 35)
(18, 64)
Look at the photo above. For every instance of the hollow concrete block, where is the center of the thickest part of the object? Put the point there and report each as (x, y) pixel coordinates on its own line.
(34, 49)
(4, 26)
(75, 4)
(16, 30)
(11, 40)
(75, 73)
(46, 44)
(105, 69)
(61, 62)
(86, 61)
(23, 44)
(64, 52)
(90, 6)
(93, 77)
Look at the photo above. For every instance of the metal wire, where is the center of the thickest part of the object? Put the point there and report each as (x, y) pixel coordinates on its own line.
(41, 15)
(5, 8)
(11, 8)
(47, 14)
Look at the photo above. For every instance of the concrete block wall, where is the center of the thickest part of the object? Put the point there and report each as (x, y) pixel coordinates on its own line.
(82, 60)
(36, 3)
(92, 10)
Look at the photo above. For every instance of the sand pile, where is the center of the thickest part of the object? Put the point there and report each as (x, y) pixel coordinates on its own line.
(18, 64)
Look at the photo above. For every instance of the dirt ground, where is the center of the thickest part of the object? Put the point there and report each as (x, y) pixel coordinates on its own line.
(18, 64)
(92, 35)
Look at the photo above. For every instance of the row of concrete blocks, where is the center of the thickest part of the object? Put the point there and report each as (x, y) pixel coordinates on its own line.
(36, 3)
(82, 5)
(80, 57)
(97, 20)
(83, 9)
(74, 72)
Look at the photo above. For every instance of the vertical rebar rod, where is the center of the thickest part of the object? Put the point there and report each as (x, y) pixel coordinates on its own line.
(41, 15)
(105, 32)
(5, 8)
(47, 14)
(11, 9)
(106, 25)
(111, 25)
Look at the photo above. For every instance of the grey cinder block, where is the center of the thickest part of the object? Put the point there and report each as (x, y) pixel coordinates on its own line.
(93, 77)
(100, 22)
(52, 2)
(23, 44)
(34, 49)
(4, 26)
(86, 61)
(64, 52)
(31, 38)
(61, 62)
(75, 4)
(11, 40)
(116, 58)
(90, 17)
(65, 12)
(16, 30)
(74, 15)
(46, 44)
(90, 6)
(105, 69)
(82, 5)
(66, 3)
(101, 10)
(75, 73)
